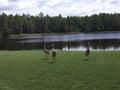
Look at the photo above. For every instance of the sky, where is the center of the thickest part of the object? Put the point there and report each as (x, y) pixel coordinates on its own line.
(56, 7)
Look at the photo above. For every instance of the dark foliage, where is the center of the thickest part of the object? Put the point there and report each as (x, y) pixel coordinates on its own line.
(20, 24)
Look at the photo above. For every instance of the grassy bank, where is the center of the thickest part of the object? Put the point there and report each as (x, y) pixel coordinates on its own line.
(31, 70)
(43, 34)
(31, 34)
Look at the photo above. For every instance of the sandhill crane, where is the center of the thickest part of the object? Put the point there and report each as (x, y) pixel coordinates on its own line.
(88, 51)
(46, 51)
(53, 51)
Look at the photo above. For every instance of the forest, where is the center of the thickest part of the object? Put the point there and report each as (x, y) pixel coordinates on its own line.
(27, 24)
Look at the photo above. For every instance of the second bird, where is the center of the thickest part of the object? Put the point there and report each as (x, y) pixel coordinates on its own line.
(53, 51)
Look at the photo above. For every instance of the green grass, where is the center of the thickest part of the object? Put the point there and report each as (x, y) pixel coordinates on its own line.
(31, 70)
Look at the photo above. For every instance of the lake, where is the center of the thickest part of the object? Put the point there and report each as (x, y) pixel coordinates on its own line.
(65, 42)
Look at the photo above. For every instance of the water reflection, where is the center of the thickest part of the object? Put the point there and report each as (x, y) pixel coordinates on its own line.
(106, 44)
(77, 42)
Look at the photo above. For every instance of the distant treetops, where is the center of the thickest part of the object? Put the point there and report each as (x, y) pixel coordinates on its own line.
(26, 24)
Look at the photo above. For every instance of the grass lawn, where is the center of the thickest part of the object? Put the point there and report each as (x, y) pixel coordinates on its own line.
(31, 70)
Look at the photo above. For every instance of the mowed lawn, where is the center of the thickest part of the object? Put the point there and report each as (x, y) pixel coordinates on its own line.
(31, 70)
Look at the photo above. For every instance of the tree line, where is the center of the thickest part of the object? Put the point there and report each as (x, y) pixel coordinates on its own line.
(26, 24)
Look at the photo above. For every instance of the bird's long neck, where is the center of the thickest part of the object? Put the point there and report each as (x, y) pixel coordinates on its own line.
(44, 46)
(53, 46)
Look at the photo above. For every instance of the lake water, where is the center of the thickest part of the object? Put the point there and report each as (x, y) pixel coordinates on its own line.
(67, 42)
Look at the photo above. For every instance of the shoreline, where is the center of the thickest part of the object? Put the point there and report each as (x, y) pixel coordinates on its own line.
(45, 34)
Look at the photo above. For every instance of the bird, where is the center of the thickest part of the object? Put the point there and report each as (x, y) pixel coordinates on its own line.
(53, 51)
(87, 51)
(46, 51)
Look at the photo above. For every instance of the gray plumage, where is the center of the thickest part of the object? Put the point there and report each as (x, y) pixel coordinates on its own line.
(53, 51)
(45, 50)
(87, 52)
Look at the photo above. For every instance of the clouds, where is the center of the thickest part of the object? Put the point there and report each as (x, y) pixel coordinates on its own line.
(56, 7)
(6, 6)
(99, 6)
(110, 6)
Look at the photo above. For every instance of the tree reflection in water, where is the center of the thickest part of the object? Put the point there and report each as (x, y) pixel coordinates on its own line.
(80, 45)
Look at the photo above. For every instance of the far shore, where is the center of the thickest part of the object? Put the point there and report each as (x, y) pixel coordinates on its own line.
(44, 34)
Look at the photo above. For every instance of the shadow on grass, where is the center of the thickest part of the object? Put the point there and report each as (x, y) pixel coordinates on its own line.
(51, 62)
(44, 58)
(86, 59)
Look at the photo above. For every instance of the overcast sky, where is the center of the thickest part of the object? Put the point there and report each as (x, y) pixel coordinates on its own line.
(56, 7)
